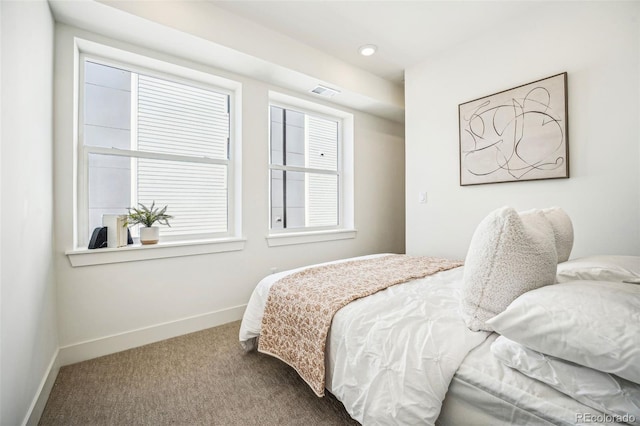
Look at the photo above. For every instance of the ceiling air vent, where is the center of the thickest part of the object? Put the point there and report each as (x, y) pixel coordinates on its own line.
(325, 91)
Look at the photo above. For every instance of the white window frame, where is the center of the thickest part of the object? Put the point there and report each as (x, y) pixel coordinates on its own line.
(169, 246)
(345, 228)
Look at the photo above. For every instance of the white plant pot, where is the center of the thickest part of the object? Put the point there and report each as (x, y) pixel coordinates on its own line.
(149, 235)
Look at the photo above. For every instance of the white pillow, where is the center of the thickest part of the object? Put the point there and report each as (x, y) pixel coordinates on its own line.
(591, 323)
(600, 268)
(596, 389)
(562, 231)
(509, 254)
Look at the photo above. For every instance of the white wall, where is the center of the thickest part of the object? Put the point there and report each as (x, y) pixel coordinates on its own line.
(597, 43)
(110, 307)
(28, 336)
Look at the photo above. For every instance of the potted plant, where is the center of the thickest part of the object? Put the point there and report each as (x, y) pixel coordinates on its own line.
(147, 216)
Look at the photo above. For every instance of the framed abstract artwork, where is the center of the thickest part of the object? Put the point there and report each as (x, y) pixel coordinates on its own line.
(516, 135)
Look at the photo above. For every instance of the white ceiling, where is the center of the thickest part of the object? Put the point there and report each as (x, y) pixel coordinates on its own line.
(406, 32)
(297, 44)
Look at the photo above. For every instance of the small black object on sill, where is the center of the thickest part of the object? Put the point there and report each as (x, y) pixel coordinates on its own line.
(99, 238)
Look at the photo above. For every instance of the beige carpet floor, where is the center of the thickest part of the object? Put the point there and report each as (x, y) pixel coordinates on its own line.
(202, 378)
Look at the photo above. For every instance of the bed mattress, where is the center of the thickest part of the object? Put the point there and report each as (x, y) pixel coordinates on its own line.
(486, 392)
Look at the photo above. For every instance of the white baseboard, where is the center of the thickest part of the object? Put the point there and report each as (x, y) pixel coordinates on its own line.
(40, 400)
(122, 341)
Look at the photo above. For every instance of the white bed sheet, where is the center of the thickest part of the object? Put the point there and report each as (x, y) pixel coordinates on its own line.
(390, 356)
(484, 391)
(252, 319)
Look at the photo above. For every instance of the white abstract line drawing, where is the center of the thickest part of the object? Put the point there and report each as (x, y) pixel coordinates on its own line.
(515, 135)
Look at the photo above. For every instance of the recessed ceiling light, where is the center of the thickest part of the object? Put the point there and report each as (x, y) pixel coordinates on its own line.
(368, 49)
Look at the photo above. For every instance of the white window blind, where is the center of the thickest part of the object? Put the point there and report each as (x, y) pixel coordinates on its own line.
(174, 118)
(322, 136)
(148, 139)
(321, 189)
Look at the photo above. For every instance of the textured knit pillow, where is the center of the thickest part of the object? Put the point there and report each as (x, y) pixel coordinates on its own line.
(509, 255)
(562, 231)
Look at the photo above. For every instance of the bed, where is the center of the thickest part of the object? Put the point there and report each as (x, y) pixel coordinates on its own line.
(406, 354)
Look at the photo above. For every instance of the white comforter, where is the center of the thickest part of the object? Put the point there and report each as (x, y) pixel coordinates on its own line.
(391, 355)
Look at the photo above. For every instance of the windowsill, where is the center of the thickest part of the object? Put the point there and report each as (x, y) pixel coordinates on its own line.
(138, 252)
(289, 238)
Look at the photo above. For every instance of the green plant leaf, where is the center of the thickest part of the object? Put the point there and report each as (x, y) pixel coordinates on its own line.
(148, 215)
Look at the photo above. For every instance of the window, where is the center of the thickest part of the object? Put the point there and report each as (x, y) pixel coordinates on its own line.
(151, 137)
(306, 173)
